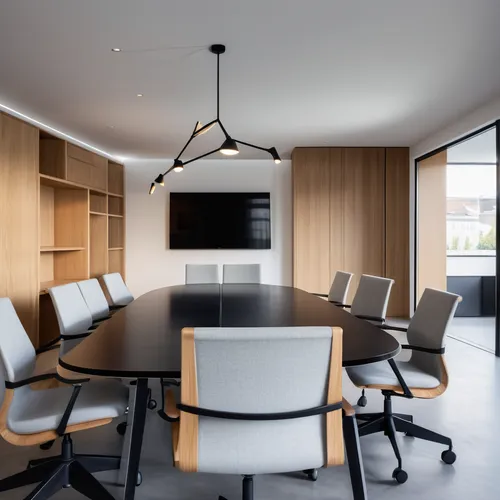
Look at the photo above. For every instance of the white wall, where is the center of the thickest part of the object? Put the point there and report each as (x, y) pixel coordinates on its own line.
(461, 126)
(149, 262)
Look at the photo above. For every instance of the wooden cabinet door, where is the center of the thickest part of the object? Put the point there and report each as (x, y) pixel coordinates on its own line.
(19, 246)
(78, 171)
(363, 212)
(311, 226)
(87, 168)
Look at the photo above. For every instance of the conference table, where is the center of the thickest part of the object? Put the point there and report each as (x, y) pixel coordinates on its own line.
(143, 340)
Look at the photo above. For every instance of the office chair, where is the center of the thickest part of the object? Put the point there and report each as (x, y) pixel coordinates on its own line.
(118, 292)
(95, 299)
(241, 274)
(370, 303)
(260, 401)
(424, 376)
(197, 274)
(338, 291)
(29, 417)
(73, 315)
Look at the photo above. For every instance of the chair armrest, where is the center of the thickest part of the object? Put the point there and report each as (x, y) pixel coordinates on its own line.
(116, 308)
(393, 327)
(53, 344)
(61, 428)
(169, 410)
(347, 409)
(320, 294)
(423, 349)
(406, 391)
(171, 404)
(43, 376)
(370, 318)
(78, 336)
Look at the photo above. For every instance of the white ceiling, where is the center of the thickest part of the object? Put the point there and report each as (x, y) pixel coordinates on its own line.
(296, 73)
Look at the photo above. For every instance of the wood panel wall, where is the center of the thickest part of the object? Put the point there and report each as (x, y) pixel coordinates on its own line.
(363, 213)
(431, 223)
(397, 228)
(19, 240)
(311, 235)
(367, 228)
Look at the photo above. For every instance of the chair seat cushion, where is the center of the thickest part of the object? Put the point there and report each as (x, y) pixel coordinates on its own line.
(38, 411)
(382, 374)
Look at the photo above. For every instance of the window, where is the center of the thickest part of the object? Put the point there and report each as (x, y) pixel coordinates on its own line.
(470, 209)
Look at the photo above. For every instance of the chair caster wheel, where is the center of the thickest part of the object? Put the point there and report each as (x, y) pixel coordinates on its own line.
(448, 457)
(399, 475)
(138, 481)
(312, 474)
(362, 401)
(121, 428)
(152, 404)
(47, 445)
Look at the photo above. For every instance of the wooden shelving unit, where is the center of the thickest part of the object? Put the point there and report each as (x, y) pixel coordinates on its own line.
(116, 218)
(82, 224)
(60, 249)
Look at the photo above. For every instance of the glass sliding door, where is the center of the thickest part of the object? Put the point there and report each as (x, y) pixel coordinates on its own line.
(456, 221)
(471, 236)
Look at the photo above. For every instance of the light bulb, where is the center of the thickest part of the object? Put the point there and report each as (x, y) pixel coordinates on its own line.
(229, 147)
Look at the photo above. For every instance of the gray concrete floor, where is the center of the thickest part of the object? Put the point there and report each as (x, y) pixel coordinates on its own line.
(467, 412)
(479, 331)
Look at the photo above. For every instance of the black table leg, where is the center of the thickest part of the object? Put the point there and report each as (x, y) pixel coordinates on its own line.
(356, 470)
(139, 420)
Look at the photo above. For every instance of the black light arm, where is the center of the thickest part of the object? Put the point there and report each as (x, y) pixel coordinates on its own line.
(193, 135)
(202, 156)
(223, 129)
(272, 151)
(251, 145)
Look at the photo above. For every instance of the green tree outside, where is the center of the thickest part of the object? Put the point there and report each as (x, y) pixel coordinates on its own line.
(488, 241)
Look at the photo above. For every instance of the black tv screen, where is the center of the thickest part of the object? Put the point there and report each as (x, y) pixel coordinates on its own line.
(220, 220)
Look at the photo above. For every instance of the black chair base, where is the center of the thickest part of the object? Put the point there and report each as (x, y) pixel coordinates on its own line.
(390, 423)
(64, 471)
(354, 459)
(247, 489)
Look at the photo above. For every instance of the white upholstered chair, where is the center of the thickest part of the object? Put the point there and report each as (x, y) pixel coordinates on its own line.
(95, 299)
(241, 274)
(73, 315)
(370, 303)
(338, 290)
(372, 298)
(118, 292)
(198, 274)
(424, 376)
(29, 417)
(262, 400)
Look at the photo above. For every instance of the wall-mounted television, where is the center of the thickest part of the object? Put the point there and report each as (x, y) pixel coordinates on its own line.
(220, 220)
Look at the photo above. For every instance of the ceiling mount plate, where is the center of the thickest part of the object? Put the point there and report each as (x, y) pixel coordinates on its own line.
(217, 48)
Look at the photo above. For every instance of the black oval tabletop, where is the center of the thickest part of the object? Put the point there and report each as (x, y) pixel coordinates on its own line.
(143, 340)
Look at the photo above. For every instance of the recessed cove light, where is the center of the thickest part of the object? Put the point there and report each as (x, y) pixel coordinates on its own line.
(140, 95)
(48, 128)
(116, 49)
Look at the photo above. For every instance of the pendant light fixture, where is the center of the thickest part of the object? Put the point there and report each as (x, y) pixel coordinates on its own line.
(229, 147)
